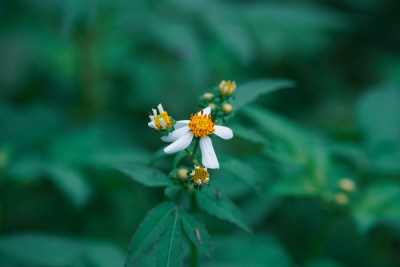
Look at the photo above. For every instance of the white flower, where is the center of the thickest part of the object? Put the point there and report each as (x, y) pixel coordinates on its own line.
(161, 121)
(199, 125)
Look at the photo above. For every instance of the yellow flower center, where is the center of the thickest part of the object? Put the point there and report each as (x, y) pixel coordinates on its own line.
(167, 120)
(201, 125)
(200, 174)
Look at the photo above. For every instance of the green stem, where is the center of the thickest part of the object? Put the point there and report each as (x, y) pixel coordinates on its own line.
(193, 254)
(321, 236)
(196, 145)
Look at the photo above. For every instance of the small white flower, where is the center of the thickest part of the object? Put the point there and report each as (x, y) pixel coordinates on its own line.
(161, 121)
(199, 125)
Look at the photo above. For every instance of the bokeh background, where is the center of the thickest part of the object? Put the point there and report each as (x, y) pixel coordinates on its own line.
(77, 79)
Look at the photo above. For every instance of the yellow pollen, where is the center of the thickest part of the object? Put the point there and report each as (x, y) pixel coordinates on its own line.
(167, 120)
(201, 125)
(200, 174)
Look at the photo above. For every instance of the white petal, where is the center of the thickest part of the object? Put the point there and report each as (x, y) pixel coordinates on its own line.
(180, 144)
(223, 132)
(151, 117)
(154, 112)
(206, 180)
(206, 111)
(192, 173)
(198, 182)
(162, 122)
(180, 124)
(209, 159)
(175, 135)
(160, 108)
(152, 125)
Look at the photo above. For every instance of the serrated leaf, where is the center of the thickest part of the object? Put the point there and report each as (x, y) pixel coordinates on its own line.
(152, 226)
(250, 91)
(222, 208)
(191, 222)
(145, 175)
(169, 248)
(242, 171)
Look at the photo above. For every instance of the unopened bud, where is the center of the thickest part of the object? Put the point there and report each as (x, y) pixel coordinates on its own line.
(347, 185)
(212, 106)
(182, 174)
(341, 198)
(208, 96)
(227, 88)
(227, 108)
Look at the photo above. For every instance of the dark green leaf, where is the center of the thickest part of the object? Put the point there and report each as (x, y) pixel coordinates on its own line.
(222, 208)
(248, 92)
(152, 226)
(169, 249)
(242, 171)
(145, 175)
(192, 223)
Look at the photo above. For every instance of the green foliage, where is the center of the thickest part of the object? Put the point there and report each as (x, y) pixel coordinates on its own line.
(152, 226)
(192, 223)
(169, 248)
(145, 175)
(222, 208)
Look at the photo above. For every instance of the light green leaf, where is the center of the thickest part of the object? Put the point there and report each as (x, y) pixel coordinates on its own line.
(250, 91)
(71, 182)
(222, 208)
(169, 249)
(242, 171)
(191, 222)
(145, 175)
(40, 250)
(152, 226)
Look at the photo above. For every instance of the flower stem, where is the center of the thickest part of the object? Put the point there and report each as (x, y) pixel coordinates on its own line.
(193, 254)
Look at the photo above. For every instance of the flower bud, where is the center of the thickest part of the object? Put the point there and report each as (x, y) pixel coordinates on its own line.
(212, 106)
(182, 174)
(208, 96)
(341, 199)
(347, 184)
(227, 108)
(227, 88)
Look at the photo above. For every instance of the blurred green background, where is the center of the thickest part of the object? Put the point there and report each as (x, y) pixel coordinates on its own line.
(77, 79)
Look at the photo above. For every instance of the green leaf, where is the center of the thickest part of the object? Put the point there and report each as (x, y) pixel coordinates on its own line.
(242, 171)
(71, 182)
(152, 226)
(145, 175)
(40, 250)
(294, 186)
(250, 91)
(248, 134)
(102, 254)
(172, 191)
(191, 222)
(222, 208)
(169, 249)
(379, 201)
